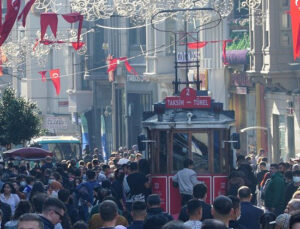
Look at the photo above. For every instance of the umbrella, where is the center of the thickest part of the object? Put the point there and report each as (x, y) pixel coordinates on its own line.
(29, 153)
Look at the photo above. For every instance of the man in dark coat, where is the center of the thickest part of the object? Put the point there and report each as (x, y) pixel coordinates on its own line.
(154, 208)
(250, 214)
(53, 212)
(274, 195)
(6, 210)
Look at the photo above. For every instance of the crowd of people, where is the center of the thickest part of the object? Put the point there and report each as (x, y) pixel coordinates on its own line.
(117, 194)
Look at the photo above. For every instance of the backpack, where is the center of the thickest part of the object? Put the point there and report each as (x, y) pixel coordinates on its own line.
(264, 189)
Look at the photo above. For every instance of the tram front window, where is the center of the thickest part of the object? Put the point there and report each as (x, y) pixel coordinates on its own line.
(200, 151)
(180, 150)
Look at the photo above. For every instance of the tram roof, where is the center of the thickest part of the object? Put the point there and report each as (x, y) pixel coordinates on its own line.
(201, 119)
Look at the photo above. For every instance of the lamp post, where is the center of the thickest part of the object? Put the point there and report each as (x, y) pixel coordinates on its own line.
(269, 138)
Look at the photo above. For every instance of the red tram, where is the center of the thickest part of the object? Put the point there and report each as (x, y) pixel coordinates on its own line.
(189, 126)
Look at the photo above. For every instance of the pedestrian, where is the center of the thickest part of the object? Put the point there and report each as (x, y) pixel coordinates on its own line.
(186, 180)
(108, 211)
(292, 187)
(53, 212)
(274, 195)
(175, 225)
(250, 214)
(9, 196)
(199, 193)
(30, 221)
(194, 208)
(138, 213)
(23, 207)
(154, 208)
(213, 224)
(295, 221)
(222, 209)
(234, 223)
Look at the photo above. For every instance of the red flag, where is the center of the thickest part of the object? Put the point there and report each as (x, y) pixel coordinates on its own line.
(55, 77)
(13, 8)
(48, 19)
(72, 18)
(25, 12)
(77, 45)
(295, 16)
(43, 74)
(224, 51)
(112, 65)
(197, 45)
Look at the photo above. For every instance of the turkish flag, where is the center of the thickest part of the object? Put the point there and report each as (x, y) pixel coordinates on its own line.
(197, 45)
(43, 74)
(55, 77)
(295, 16)
(77, 45)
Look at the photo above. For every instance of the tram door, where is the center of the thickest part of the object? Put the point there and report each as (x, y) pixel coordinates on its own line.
(204, 147)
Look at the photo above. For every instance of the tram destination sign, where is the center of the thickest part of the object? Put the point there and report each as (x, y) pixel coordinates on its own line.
(187, 100)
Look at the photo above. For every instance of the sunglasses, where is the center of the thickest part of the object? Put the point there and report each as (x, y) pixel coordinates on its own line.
(60, 215)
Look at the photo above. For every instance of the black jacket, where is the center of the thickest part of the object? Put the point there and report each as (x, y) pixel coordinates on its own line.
(206, 212)
(47, 223)
(6, 213)
(158, 212)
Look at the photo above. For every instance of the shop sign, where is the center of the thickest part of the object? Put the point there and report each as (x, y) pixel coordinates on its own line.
(191, 56)
(241, 90)
(240, 80)
(187, 100)
(56, 123)
(138, 78)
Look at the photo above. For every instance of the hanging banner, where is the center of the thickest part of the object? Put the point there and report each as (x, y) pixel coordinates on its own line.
(84, 131)
(55, 77)
(103, 138)
(43, 74)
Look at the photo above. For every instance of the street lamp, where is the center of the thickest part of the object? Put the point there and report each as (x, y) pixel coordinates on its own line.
(269, 137)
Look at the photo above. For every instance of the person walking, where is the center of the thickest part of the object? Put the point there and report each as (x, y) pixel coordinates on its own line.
(274, 195)
(186, 180)
(250, 214)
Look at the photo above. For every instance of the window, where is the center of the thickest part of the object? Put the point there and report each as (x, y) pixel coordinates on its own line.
(170, 37)
(180, 150)
(137, 36)
(285, 21)
(282, 131)
(163, 152)
(285, 39)
(199, 147)
(266, 39)
(285, 3)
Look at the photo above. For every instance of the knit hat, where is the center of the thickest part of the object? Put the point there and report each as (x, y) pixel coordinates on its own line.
(282, 221)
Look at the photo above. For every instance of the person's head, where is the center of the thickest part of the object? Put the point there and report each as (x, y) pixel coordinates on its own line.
(153, 201)
(53, 210)
(139, 210)
(282, 221)
(262, 166)
(95, 162)
(23, 206)
(200, 191)
(90, 175)
(295, 221)
(236, 207)
(30, 221)
(188, 163)
(213, 224)
(292, 206)
(37, 202)
(80, 225)
(29, 180)
(244, 194)
(194, 209)
(288, 176)
(175, 224)
(222, 208)
(133, 167)
(64, 195)
(106, 169)
(296, 167)
(108, 211)
(281, 167)
(261, 152)
(273, 168)
(54, 188)
(296, 177)
(8, 188)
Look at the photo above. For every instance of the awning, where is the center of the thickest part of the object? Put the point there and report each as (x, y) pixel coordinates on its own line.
(237, 57)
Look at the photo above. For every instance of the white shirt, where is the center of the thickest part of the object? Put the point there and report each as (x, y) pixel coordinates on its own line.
(186, 179)
(194, 224)
(12, 201)
(123, 161)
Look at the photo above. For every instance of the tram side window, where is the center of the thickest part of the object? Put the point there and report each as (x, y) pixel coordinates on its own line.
(163, 152)
(180, 150)
(200, 151)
